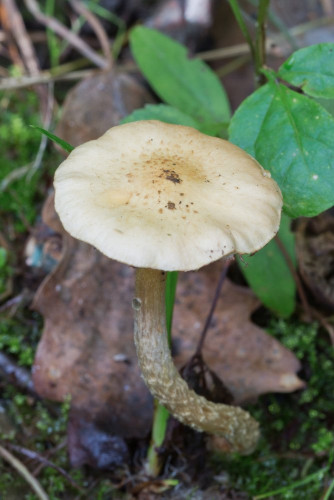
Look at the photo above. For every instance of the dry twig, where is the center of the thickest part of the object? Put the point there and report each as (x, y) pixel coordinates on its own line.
(97, 27)
(24, 472)
(36, 456)
(22, 39)
(66, 34)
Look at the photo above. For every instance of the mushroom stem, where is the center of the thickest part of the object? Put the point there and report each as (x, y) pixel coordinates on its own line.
(164, 381)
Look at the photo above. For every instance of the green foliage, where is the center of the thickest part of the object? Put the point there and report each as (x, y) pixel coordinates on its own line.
(288, 133)
(63, 144)
(292, 137)
(311, 69)
(19, 190)
(18, 144)
(19, 338)
(161, 112)
(5, 270)
(269, 275)
(168, 114)
(186, 84)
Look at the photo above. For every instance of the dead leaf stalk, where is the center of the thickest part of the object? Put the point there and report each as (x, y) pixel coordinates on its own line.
(24, 472)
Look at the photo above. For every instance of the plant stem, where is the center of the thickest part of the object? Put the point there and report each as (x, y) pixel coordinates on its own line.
(213, 307)
(260, 41)
(163, 379)
(242, 25)
(161, 415)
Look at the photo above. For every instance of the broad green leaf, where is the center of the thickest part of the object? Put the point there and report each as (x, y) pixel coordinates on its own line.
(183, 82)
(65, 145)
(268, 273)
(292, 137)
(161, 112)
(168, 114)
(312, 69)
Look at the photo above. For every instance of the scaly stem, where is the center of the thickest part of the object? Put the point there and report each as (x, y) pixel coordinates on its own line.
(162, 378)
(161, 415)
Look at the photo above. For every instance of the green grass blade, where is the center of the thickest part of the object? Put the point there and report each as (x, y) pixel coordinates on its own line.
(171, 283)
(63, 144)
(308, 479)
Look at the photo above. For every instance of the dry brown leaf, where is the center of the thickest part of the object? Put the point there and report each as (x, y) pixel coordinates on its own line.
(97, 103)
(248, 360)
(87, 347)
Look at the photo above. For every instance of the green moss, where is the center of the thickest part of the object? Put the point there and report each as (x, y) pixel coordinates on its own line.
(19, 145)
(20, 338)
(297, 432)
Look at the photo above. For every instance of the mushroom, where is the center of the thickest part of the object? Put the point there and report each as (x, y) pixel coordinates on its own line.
(165, 197)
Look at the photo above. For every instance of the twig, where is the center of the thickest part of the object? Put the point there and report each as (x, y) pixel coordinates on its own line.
(24, 472)
(46, 125)
(65, 33)
(26, 48)
(44, 77)
(14, 301)
(21, 37)
(295, 276)
(324, 323)
(221, 281)
(36, 456)
(61, 74)
(49, 453)
(97, 27)
(16, 375)
(13, 52)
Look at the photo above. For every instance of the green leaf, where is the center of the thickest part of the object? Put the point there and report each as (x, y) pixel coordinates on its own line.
(161, 112)
(186, 84)
(168, 114)
(292, 137)
(65, 145)
(312, 69)
(269, 275)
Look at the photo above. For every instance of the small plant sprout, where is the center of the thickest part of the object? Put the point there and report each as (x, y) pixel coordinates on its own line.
(164, 197)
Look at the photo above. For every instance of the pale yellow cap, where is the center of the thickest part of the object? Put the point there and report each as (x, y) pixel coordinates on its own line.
(167, 197)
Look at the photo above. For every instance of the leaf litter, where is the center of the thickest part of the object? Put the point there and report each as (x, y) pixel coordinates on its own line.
(87, 350)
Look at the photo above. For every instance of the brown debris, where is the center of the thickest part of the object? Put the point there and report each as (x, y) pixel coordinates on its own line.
(98, 103)
(315, 251)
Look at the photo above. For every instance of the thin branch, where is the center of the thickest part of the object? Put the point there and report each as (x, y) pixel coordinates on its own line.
(97, 27)
(24, 472)
(207, 324)
(16, 375)
(65, 33)
(21, 37)
(39, 458)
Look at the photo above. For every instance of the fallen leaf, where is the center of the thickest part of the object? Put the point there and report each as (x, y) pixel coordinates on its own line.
(248, 360)
(87, 347)
(97, 103)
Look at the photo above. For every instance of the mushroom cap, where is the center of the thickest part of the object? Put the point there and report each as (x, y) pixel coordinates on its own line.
(167, 197)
